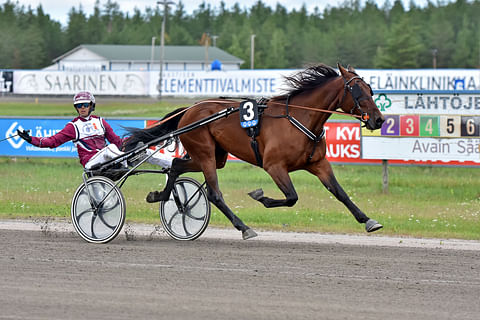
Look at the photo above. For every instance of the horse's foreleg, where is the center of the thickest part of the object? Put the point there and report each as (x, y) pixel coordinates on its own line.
(284, 183)
(325, 173)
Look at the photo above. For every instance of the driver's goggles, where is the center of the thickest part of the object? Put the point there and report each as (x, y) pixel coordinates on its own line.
(82, 105)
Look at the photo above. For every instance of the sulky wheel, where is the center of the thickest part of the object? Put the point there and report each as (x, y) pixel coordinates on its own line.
(98, 211)
(186, 214)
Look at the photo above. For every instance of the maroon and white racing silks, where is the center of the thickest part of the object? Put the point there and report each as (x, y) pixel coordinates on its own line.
(88, 134)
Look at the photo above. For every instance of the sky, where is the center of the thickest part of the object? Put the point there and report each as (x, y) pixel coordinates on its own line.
(58, 9)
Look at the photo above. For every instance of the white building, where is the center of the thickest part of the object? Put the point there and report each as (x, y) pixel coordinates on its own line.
(110, 57)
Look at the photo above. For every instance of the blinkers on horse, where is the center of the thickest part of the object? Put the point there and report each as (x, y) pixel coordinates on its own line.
(357, 96)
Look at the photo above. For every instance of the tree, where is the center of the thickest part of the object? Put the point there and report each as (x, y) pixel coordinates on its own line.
(401, 48)
(362, 35)
(465, 53)
(276, 55)
(76, 32)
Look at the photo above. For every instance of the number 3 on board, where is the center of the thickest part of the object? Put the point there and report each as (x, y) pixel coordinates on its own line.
(248, 113)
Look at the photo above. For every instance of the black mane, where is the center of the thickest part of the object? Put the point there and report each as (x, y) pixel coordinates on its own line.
(310, 78)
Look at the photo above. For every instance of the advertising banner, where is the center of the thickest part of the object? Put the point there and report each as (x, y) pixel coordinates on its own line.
(15, 146)
(119, 83)
(220, 83)
(235, 83)
(422, 79)
(343, 141)
(272, 82)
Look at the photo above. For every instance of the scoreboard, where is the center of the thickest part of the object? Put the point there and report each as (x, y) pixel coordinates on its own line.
(423, 131)
(446, 126)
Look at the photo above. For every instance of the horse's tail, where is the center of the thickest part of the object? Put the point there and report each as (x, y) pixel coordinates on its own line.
(136, 135)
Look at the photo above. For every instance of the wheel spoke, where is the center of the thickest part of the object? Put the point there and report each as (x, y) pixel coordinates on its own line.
(196, 195)
(91, 226)
(188, 214)
(100, 216)
(82, 213)
(184, 224)
(169, 223)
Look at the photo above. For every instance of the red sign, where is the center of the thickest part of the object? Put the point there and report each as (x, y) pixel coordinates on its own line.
(343, 141)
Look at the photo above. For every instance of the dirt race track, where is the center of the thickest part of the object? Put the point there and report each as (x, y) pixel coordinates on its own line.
(56, 275)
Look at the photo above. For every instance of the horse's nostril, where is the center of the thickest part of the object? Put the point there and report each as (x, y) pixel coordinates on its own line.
(380, 121)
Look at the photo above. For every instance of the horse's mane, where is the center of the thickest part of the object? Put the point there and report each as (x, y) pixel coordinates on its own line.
(310, 78)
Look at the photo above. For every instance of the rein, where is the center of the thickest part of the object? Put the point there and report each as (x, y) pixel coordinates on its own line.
(318, 110)
(159, 122)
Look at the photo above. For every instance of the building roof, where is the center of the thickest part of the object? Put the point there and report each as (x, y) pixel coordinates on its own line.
(115, 52)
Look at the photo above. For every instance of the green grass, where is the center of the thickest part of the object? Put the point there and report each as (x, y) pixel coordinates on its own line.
(105, 109)
(434, 202)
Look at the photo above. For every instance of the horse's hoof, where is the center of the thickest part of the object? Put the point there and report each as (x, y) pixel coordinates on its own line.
(372, 225)
(256, 194)
(249, 233)
(156, 196)
(153, 197)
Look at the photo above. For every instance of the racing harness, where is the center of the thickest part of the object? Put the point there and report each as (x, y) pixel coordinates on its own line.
(254, 130)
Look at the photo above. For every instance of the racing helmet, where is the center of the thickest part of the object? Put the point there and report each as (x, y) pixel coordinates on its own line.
(85, 97)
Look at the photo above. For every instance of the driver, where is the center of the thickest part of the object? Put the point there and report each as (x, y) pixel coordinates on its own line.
(89, 133)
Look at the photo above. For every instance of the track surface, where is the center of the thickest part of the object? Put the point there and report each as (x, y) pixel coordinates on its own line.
(56, 275)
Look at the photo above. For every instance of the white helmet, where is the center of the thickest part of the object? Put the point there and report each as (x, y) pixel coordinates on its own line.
(84, 97)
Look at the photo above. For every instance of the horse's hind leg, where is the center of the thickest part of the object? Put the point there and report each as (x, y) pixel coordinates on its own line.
(215, 196)
(179, 166)
(282, 179)
(324, 172)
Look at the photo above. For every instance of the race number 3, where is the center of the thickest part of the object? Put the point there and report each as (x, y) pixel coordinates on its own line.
(409, 125)
(248, 113)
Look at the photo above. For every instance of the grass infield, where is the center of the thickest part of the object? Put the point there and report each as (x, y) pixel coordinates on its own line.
(433, 202)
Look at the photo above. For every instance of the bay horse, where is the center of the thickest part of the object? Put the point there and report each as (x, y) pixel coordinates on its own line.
(291, 138)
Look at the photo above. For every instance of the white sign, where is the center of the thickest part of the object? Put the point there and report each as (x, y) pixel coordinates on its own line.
(221, 83)
(421, 149)
(428, 103)
(100, 83)
(422, 79)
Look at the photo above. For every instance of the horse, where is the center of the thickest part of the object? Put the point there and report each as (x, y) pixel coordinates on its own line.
(291, 137)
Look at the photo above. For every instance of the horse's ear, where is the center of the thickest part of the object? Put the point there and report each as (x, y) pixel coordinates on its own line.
(350, 69)
(342, 69)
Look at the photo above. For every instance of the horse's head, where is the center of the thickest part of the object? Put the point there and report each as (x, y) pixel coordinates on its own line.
(357, 99)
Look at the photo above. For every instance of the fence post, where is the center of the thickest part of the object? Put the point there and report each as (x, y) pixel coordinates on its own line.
(385, 175)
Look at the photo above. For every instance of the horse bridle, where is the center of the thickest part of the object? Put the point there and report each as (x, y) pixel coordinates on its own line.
(357, 96)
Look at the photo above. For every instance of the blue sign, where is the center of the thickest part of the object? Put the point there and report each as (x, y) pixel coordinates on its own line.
(16, 146)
